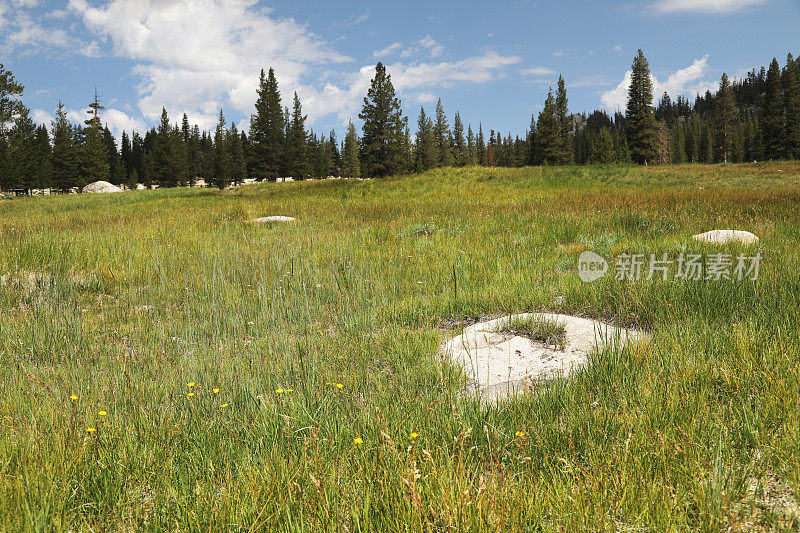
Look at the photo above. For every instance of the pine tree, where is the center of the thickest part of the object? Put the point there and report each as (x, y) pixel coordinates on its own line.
(351, 165)
(382, 145)
(10, 93)
(222, 164)
(22, 158)
(65, 152)
(94, 154)
(472, 149)
(726, 116)
(44, 159)
(561, 150)
(548, 133)
(237, 169)
(335, 156)
(480, 145)
(603, 151)
(297, 162)
(773, 121)
(426, 153)
(640, 121)
(267, 131)
(460, 152)
(663, 143)
(444, 149)
(531, 144)
(791, 105)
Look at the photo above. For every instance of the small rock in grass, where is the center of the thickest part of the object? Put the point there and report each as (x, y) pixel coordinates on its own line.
(499, 362)
(724, 236)
(264, 220)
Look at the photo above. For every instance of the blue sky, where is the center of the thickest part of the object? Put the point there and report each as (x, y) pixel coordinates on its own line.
(493, 61)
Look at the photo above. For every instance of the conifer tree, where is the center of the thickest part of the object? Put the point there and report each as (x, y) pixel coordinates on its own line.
(426, 153)
(44, 159)
(725, 118)
(237, 169)
(10, 94)
(460, 152)
(603, 152)
(791, 105)
(561, 150)
(663, 143)
(267, 131)
(65, 153)
(94, 154)
(222, 162)
(21, 163)
(480, 145)
(351, 165)
(382, 145)
(297, 162)
(773, 121)
(640, 121)
(472, 150)
(335, 156)
(444, 149)
(548, 133)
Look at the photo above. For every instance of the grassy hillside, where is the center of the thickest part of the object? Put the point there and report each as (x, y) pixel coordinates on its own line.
(287, 376)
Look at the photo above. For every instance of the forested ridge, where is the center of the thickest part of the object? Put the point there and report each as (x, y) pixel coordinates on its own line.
(755, 118)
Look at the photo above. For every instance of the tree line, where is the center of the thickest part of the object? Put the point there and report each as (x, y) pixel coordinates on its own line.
(751, 119)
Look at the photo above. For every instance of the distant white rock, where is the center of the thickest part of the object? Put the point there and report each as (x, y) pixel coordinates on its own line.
(100, 187)
(724, 236)
(264, 220)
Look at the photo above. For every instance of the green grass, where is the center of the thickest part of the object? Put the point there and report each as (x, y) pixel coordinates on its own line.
(122, 300)
(538, 328)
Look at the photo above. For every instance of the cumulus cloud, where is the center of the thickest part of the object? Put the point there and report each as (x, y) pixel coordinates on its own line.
(40, 116)
(28, 35)
(719, 7)
(688, 81)
(197, 56)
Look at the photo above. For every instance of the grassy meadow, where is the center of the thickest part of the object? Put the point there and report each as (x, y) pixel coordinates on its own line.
(166, 364)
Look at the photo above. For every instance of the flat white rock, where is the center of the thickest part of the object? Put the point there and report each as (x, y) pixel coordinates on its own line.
(100, 187)
(724, 236)
(264, 220)
(498, 363)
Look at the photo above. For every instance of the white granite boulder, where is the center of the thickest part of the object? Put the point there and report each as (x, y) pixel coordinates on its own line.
(725, 236)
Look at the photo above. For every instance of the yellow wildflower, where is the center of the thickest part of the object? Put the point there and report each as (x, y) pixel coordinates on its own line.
(90, 430)
(520, 433)
(289, 390)
(73, 397)
(358, 440)
(414, 435)
(339, 385)
(190, 395)
(224, 405)
(216, 391)
(192, 384)
(279, 391)
(102, 413)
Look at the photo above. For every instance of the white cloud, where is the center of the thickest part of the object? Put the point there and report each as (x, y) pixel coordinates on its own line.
(426, 44)
(199, 56)
(679, 82)
(617, 48)
(23, 32)
(389, 50)
(40, 116)
(704, 6)
(559, 53)
(425, 98)
(537, 71)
